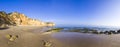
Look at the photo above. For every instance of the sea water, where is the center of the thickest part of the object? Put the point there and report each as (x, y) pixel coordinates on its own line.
(100, 28)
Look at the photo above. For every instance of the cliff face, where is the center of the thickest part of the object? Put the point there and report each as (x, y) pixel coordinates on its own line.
(4, 19)
(16, 19)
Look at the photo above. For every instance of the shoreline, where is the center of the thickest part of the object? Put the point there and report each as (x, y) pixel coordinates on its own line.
(32, 36)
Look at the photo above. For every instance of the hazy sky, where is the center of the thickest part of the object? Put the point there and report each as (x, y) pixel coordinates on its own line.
(68, 12)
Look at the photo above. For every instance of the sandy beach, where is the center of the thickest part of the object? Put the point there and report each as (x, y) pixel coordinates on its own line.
(34, 36)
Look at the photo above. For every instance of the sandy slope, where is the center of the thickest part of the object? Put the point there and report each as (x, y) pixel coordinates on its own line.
(32, 36)
(26, 37)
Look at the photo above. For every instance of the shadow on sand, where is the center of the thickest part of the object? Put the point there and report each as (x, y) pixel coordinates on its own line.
(4, 28)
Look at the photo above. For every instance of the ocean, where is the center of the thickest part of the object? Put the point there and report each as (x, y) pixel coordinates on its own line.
(86, 28)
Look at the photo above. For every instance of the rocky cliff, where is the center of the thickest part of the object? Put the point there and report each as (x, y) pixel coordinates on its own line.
(17, 19)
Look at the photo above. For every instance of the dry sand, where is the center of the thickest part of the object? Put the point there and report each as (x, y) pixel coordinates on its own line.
(33, 36)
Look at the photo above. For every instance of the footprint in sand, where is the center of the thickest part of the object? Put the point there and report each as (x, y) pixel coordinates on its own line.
(11, 39)
(48, 43)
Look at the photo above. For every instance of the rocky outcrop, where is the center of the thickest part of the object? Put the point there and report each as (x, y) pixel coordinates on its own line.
(17, 19)
(50, 24)
(4, 20)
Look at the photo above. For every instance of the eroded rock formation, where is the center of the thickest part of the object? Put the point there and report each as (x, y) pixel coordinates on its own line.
(17, 19)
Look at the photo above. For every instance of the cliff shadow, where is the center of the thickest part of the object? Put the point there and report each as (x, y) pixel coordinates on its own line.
(4, 28)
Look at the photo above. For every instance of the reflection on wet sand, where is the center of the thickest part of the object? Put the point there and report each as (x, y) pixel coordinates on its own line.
(87, 40)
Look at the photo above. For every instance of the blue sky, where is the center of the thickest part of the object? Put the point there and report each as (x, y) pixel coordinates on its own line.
(68, 12)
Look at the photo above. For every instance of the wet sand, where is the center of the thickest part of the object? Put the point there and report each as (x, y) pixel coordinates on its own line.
(87, 40)
(32, 36)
